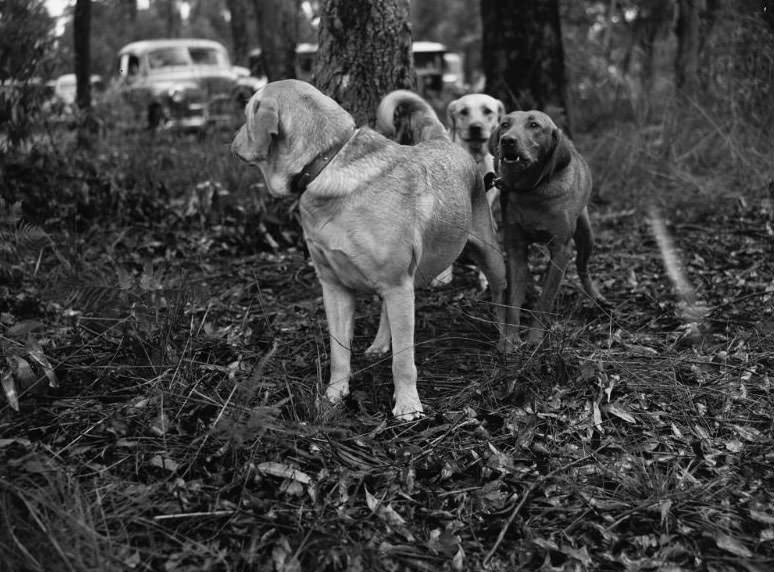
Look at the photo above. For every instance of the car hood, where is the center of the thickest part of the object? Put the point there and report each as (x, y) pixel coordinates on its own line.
(213, 81)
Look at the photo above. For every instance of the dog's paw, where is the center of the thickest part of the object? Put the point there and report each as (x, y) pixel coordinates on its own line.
(407, 406)
(337, 391)
(378, 349)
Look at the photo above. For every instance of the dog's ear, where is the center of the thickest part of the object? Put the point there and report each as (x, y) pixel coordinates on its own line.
(559, 155)
(494, 138)
(500, 111)
(451, 118)
(262, 125)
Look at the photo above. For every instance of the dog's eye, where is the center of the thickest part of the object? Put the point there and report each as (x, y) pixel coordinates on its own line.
(464, 112)
(488, 111)
(505, 124)
(533, 125)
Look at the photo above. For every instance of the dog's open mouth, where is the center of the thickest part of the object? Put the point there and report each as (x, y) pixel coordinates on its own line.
(513, 158)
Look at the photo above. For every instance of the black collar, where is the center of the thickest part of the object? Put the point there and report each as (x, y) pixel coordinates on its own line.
(309, 173)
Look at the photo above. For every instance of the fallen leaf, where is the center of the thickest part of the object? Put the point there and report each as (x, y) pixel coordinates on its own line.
(732, 545)
(620, 412)
(164, 463)
(284, 471)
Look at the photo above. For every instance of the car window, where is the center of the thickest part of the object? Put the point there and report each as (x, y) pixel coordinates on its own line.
(206, 56)
(167, 57)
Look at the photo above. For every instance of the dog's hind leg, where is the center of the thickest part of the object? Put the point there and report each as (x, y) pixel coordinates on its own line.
(381, 343)
(340, 311)
(584, 243)
(399, 301)
(485, 250)
(560, 258)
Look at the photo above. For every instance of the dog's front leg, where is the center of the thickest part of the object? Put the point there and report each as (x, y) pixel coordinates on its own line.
(560, 257)
(381, 343)
(340, 311)
(399, 301)
(517, 264)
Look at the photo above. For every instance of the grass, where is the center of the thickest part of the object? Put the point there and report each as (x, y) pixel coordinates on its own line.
(187, 431)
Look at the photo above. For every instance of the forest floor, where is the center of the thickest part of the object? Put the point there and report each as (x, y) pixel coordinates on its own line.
(189, 351)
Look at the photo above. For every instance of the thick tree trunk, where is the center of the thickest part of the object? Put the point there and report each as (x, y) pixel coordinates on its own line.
(364, 53)
(82, 49)
(278, 34)
(171, 18)
(130, 6)
(238, 11)
(523, 56)
(687, 60)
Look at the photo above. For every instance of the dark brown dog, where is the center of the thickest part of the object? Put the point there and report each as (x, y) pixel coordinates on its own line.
(545, 186)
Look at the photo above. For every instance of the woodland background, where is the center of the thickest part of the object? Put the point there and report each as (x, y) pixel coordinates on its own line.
(164, 331)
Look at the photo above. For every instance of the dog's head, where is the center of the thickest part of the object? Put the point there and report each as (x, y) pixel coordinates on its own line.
(287, 124)
(529, 148)
(471, 119)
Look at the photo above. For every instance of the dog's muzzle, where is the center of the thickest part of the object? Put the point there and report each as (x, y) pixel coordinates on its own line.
(510, 153)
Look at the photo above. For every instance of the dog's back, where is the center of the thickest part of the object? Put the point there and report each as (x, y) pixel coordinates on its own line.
(405, 117)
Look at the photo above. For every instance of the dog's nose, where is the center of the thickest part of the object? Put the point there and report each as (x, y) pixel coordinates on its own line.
(475, 132)
(508, 142)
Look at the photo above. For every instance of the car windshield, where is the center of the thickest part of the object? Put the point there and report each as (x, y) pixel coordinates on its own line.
(185, 56)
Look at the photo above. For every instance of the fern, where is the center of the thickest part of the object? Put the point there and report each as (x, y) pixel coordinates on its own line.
(20, 241)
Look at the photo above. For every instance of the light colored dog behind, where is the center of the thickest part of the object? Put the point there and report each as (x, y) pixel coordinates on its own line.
(377, 217)
(406, 118)
(471, 120)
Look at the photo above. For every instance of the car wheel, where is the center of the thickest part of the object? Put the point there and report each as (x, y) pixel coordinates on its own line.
(155, 115)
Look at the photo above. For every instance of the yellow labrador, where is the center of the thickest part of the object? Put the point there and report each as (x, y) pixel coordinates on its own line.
(545, 186)
(471, 120)
(377, 217)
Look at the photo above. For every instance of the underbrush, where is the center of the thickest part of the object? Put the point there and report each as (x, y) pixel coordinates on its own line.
(166, 340)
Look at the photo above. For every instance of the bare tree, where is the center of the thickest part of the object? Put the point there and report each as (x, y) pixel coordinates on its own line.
(131, 9)
(238, 12)
(523, 56)
(688, 41)
(278, 34)
(82, 48)
(364, 53)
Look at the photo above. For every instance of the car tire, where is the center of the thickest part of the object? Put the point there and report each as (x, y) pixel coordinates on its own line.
(155, 115)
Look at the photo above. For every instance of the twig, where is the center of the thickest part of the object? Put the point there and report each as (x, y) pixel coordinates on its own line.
(528, 492)
(194, 514)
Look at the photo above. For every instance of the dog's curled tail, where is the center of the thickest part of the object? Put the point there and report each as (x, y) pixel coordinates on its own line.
(405, 117)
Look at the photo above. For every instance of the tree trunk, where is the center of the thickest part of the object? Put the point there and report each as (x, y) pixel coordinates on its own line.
(523, 56)
(171, 18)
(82, 49)
(131, 10)
(364, 53)
(687, 60)
(238, 12)
(277, 23)
(767, 11)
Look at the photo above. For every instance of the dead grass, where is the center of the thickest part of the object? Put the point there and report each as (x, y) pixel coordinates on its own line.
(188, 431)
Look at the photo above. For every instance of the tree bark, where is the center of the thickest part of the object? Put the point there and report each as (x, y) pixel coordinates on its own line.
(523, 56)
(687, 60)
(277, 24)
(171, 18)
(131, 10)
(82, 49)
(238, 11)
(364, 53)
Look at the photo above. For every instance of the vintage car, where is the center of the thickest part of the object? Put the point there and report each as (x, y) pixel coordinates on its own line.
(186, 83)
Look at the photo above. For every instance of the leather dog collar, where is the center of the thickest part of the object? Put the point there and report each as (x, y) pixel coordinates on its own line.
(309, 173)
